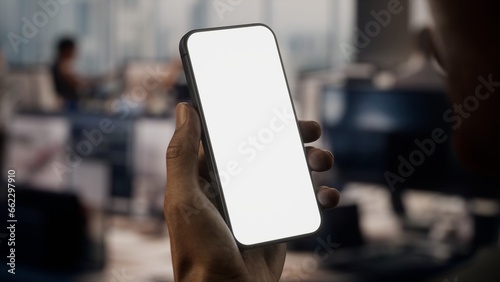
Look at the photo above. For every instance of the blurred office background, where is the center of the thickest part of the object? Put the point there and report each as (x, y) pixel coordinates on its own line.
(91, 180)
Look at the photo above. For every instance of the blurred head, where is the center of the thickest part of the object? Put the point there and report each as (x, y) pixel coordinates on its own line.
(466, 42)
(423, 40)
(66, 48)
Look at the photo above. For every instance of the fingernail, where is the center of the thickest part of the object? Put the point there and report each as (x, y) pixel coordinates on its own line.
(328, 197)
(181, 114)
(329, 152)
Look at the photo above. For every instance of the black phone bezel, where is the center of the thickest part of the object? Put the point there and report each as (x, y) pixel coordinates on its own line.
(207, 147)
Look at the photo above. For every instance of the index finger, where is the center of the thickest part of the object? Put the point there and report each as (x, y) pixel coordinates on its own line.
(311, 130)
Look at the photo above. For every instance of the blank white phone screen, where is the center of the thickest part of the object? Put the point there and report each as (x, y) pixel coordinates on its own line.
(254, 135)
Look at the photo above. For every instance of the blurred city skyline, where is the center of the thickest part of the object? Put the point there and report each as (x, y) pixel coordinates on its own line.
(110, 33)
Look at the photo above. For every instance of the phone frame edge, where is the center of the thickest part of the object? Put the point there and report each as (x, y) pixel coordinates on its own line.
(193, 91)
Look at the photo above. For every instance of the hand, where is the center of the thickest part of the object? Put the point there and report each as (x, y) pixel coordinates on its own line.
(202, 246)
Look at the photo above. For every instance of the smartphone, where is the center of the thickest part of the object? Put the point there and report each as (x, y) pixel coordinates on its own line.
(250, 134)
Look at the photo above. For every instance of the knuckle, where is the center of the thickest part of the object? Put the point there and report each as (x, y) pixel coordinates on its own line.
(174, 151)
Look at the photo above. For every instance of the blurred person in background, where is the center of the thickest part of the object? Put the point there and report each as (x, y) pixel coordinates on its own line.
(66, 82)
(420, 71)
(466, 43)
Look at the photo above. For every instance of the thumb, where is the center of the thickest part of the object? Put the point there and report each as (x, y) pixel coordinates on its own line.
(182, 152)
